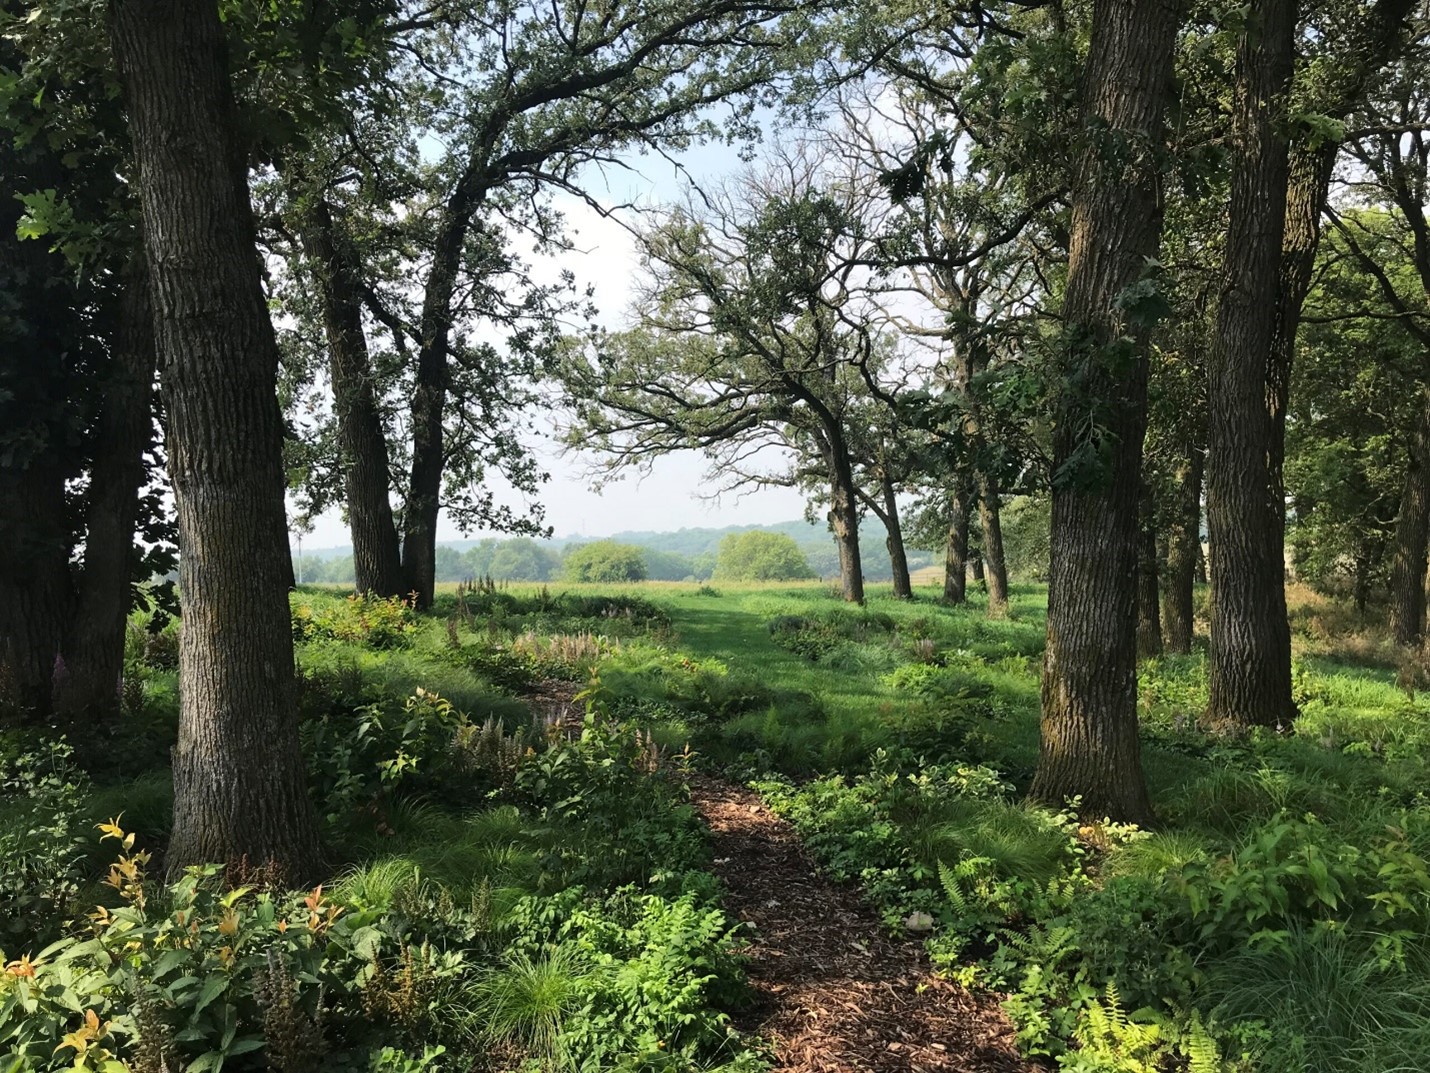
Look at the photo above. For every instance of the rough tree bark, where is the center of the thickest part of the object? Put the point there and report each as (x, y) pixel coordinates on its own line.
(1089, 745)
(898, 559)
(239, 793)
(94, 650)
(1184, 542)
(1412, 534)
(1149, 617)
(1250, 636)
(1371, 42)
(995, 565)
(37, 307)
(377, 558)
(844, 522)
(955, 555)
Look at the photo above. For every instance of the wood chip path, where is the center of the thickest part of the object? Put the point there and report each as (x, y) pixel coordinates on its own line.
(835, 992)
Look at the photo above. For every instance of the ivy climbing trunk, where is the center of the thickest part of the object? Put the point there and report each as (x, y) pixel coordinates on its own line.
(1089, 747)
(377, 557)
(239, 793)
(1250, 674)
(1184, 543)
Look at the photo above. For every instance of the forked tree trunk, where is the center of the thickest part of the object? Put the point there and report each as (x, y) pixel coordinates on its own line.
(94, 651)
(898, 559)
(955, 555)
(1250, 675)
(239, 793)
(377, 559)
(1149, 618)
(1089, 741)
(1184, 536)
(995, 565)
(1412, 534)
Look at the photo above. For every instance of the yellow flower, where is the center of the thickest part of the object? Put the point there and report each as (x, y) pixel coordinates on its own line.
(229, 924)
(23, 967)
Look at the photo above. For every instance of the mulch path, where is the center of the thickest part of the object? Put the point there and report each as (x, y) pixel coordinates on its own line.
(836, 992)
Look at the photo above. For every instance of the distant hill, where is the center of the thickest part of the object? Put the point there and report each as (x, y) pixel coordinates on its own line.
(681, 553)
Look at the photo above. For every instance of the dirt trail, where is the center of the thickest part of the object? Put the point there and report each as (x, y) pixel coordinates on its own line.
(836, 993)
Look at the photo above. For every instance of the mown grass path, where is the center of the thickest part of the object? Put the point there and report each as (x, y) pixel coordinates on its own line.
(835, 992)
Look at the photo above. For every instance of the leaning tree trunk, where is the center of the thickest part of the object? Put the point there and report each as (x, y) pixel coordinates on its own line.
(1089, 745)
(94, 651)
(1250, 673)
(1412, 533)
(239, 793)
(377, 558)
(955, 556)
(1184, 542)
(996, 566)
(1149, 617)
(898, 559)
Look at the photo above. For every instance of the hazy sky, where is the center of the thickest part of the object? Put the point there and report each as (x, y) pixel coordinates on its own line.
(671, 495)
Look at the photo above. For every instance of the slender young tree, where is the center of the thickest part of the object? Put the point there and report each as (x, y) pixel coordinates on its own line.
(239, 792)
(1089, 742)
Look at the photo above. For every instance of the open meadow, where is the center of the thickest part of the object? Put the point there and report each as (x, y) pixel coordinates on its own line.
(518, 877)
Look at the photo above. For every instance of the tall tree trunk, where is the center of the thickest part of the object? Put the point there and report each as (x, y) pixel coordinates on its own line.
(429, 399)
(898, 560)
(996, 566)
(1149, 617)
(35, 593)
(1412, 535)
(239, 792)
(94, 651)
(1089, 743)
(1250, 636)
(377, 558)
(955, 556)
(38, 333)
(843, 513)
(1184, 542)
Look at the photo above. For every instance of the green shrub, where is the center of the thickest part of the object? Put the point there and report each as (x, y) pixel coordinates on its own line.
(373, 621)
(605, 561)
(44, 840)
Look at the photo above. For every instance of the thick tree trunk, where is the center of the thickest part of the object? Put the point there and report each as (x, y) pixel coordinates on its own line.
(1250, 637)
(1412, 534)
(996, 567)
(377, 559)
(1089, 742)
(1149, 617)
(94, 651)
(898, 560)
(239, 793)
(1184, 542)
(955, 556)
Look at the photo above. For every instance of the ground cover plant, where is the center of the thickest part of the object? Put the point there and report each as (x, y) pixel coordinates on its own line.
(501, 890)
